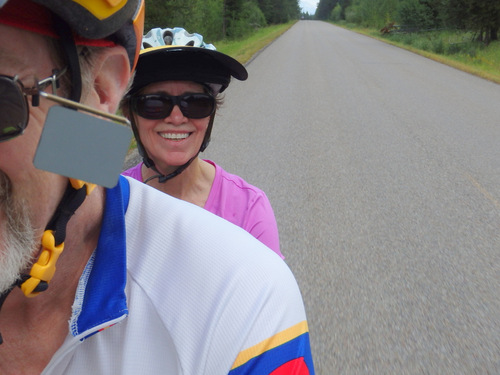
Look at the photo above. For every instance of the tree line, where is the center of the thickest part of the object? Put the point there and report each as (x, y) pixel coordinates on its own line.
(479, 16)
(219, 19)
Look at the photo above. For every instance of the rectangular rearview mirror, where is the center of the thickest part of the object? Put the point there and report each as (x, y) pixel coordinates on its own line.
(82, 146)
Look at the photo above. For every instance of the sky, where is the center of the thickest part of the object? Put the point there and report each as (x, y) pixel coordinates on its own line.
(308, 6)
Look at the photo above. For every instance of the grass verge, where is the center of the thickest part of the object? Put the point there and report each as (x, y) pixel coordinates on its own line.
(456, 49)
(244, 49)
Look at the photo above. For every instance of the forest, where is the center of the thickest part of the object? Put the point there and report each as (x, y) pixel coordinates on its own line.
(481, 17)
(219, 19)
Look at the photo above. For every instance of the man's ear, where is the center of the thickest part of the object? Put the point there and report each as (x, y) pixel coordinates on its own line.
(112, 75)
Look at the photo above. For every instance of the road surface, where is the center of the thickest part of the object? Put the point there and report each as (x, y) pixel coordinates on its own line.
(383, 168)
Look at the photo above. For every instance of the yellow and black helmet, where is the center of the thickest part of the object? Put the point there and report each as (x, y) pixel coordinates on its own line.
(118, 21)
(121, 21)
(80, 22)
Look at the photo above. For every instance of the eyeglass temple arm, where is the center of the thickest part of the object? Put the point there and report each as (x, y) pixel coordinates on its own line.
(75, 105)
(53, 79)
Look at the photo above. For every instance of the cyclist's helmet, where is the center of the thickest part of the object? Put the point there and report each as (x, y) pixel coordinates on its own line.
(80, 22)
(176, 55)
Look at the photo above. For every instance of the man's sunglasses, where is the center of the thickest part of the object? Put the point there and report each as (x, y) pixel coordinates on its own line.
(14, 106)
(160, 106)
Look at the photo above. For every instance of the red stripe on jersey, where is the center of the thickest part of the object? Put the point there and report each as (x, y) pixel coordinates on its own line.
(296, 366)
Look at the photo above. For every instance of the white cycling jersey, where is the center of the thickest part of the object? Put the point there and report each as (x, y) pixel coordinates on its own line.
(174, 289)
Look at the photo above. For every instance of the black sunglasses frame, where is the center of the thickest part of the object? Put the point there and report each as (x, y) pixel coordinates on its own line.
(184, 102)
(16, 95)
(13, 96)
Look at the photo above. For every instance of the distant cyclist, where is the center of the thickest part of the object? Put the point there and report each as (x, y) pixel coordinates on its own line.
(172, 105)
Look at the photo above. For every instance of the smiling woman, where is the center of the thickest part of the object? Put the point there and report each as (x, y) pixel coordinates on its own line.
(172, 106)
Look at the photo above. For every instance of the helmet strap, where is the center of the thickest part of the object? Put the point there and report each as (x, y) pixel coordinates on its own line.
(164, 178)
(140, 147)
(208, 133)
(3, 297)
(71, 53)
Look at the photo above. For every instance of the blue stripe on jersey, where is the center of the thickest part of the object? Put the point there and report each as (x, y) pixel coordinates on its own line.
(272, 359)
(104, 298)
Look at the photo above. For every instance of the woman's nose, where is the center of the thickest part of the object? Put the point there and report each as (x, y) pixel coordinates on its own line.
(176, 116)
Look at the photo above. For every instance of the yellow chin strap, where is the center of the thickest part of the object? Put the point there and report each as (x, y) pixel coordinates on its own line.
(43, 270)
(45, 267)
(78, 184)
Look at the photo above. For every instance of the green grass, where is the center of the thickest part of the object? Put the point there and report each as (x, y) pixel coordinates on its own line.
(244, 49)
(454, 48)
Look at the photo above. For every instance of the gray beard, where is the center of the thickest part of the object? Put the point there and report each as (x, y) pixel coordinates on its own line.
(17, 237)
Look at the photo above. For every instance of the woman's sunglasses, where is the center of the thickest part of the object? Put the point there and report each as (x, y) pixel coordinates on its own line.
(15, 109)
(160, 106)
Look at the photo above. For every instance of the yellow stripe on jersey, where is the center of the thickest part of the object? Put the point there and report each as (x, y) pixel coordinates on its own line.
(271, 343)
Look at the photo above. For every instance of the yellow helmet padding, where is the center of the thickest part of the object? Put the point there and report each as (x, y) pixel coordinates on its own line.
(102, 9)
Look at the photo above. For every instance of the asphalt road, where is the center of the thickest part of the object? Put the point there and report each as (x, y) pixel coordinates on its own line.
(383, 168)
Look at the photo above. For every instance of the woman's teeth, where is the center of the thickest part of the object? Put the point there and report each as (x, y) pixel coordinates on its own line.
(175, 136)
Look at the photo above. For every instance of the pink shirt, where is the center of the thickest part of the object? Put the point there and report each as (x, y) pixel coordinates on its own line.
(235, 200)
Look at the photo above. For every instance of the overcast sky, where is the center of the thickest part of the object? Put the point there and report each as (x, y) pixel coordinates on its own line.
(308, 6)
